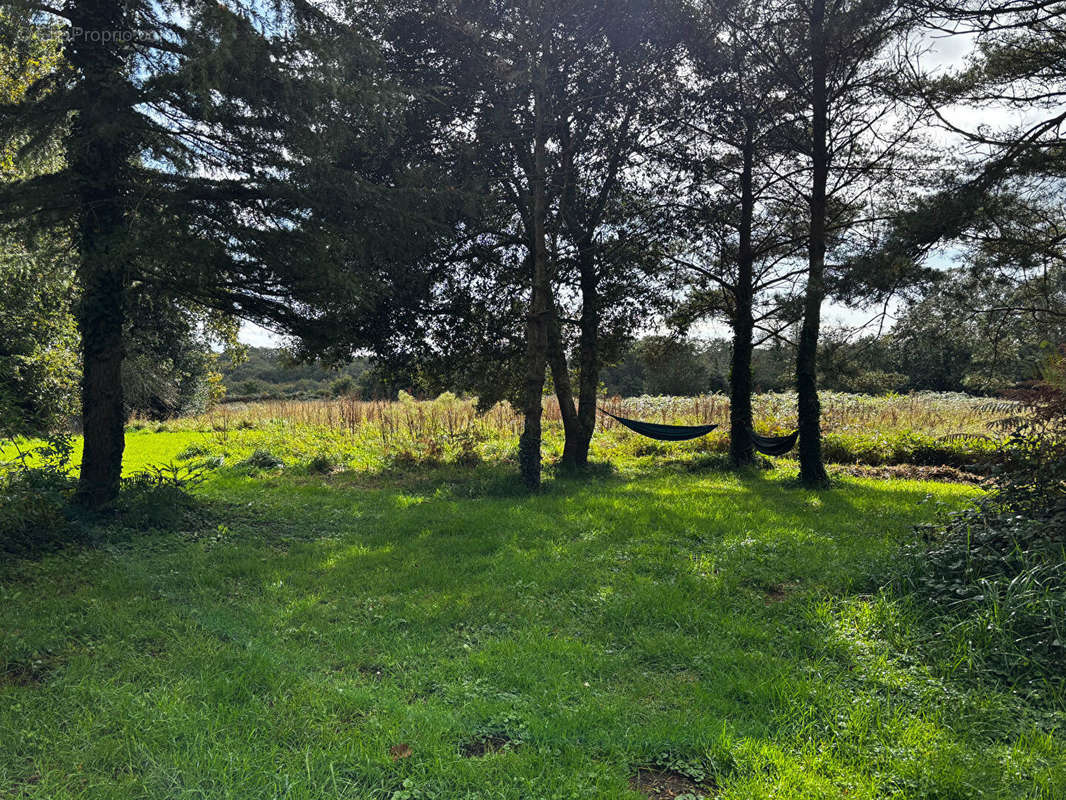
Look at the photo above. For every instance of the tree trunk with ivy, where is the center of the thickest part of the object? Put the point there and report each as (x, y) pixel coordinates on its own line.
(99, 149)
(529, 443)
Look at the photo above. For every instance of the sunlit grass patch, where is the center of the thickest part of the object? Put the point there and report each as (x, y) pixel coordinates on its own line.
(728, 628)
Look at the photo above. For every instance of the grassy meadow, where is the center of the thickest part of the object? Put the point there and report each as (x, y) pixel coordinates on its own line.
(360, 602)
(918, 429)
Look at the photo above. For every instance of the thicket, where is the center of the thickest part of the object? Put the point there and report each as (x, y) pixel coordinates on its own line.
(997, 571)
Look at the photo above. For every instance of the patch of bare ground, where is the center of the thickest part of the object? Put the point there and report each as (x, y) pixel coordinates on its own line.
(485, 745)
(29, 673)
(780, 592)
(911, 472)
(371, 672)
(660, 784)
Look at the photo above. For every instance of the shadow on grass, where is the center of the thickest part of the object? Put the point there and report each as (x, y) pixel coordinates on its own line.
(604, 623)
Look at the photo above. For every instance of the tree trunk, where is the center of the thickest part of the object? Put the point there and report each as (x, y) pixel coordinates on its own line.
(812, 470)
(101, 317)
(579, 421)
(589, 355)
(529, 457)
(564, 390)
(741, 450)
(100, 147)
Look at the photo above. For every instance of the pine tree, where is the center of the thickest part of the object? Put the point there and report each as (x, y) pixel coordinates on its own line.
(546, 102)
(999, 196)
(197, 162)
(743, 231)
(836, 58)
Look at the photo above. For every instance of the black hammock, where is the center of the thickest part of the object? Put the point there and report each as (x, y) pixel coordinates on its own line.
(773, 445)
(767, 445)
(664, 433)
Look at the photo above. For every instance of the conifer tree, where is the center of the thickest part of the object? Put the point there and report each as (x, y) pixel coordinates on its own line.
(837, 59)
(546, 102)
(742, 229)
(198, 163)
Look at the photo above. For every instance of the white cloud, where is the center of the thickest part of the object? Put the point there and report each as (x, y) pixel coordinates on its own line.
(256, 336)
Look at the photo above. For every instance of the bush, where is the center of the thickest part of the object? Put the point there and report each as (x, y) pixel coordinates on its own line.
(194, 450)
(649, 448)
(37, 490)
(909, 448)
(343, 386)
(146, 504)
(401, 459)
(35, 494)
(323, 463)
(466, 443)
(875, 382)
(997, 572)
(999, 578)
(264, 459)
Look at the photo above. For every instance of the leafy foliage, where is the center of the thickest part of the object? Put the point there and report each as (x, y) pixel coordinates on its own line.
(999, 569)
(262, 458)
(35, 493)
(38, 364)
(39, 367)
(36, 490)
(259, 373)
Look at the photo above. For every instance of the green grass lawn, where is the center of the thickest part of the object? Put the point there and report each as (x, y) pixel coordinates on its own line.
(440, 635)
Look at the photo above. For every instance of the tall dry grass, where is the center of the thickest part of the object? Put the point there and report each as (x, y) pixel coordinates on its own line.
(929, 414)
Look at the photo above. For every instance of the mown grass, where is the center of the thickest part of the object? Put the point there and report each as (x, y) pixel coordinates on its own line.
(353, 635)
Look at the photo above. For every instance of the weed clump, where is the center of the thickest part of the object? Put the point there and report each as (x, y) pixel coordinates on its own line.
(323, 464)
(996, 573)
(261, 458)
(35, 492)
(194, 450)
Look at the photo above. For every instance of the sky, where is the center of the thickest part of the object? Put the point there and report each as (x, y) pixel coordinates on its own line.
(256, 336)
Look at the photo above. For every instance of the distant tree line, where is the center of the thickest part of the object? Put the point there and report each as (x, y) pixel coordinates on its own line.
(935, 347)
(259, 373)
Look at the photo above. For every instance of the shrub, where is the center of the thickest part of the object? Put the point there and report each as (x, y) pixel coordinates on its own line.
(999, 578)
(997, 572)
(194, 450)
(649, 448)
(262, 458)
(323, 463)
(401, 459)
(908, 447)
(466, 443)
(38, 516)
(342, 386)
(35, 494)
(147, 504)
(179, 476)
